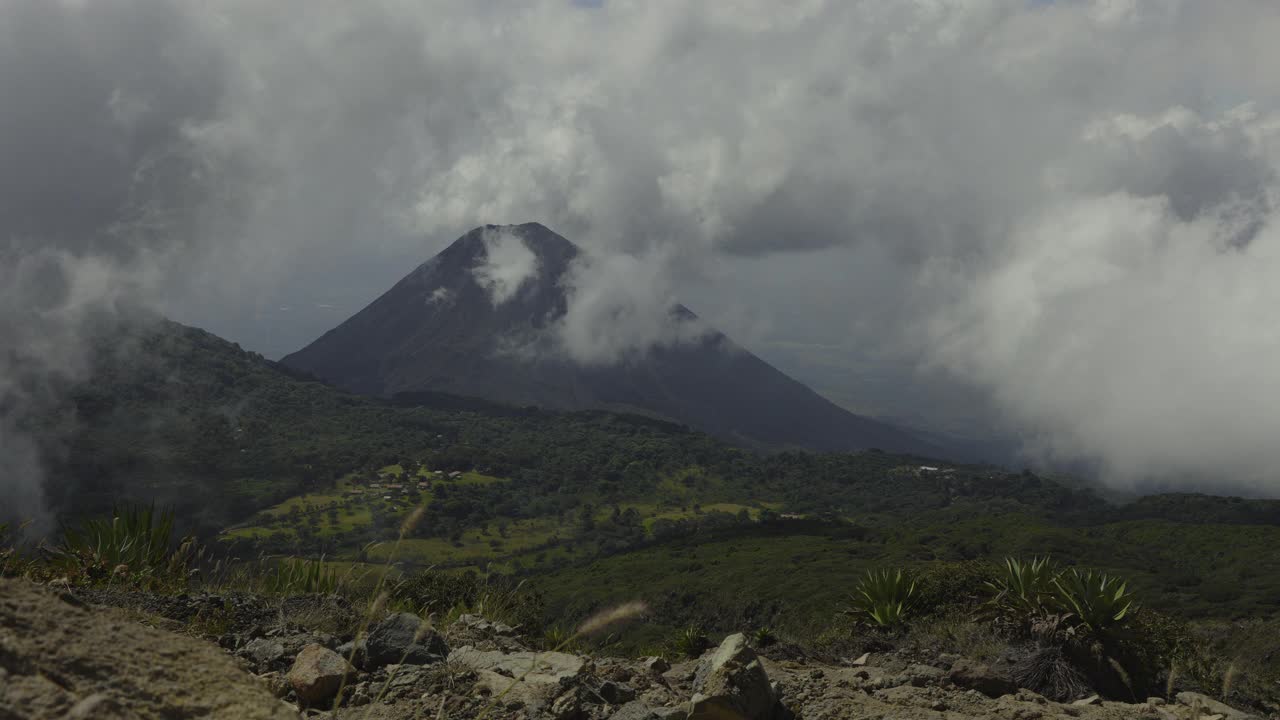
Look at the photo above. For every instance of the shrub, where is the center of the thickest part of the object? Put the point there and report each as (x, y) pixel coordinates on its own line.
(437, 591)
(452, 594)
(1050, 672)
(951, 588)
(136, 543)
(690, 642)
(884, 598)
(557, 638)
(301, 577)
(763, 637)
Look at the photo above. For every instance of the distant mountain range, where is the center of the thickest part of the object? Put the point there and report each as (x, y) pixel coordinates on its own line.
(441, 329)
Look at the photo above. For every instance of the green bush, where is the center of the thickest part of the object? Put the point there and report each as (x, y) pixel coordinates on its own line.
(451, 594)
(953, 588)
(301, 577)
(136, 544)
(437, 591)
(884, 598)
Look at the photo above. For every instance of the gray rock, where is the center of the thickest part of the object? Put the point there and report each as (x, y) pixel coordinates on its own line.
(531, 678)
(635, 710)
(1208, 705)
(733, 683)
(263, 652)
(616, 693)
(1091, 700)
(656, 665)
(403, 638)
(566, 707)
(345, 650)
(554, 667)
(671, 713)
(924, 675)
(479, 624)
(317, 673)
(975, 676)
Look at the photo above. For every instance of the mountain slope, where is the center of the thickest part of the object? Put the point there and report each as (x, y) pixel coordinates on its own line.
(440, 330)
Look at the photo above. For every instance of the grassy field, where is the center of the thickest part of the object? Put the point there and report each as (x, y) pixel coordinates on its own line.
(354, 504)
(801, 580)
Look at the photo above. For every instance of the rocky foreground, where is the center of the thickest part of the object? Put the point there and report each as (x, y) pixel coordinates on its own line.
(63, 657)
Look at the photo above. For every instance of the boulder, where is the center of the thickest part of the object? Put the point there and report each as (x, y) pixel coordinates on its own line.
(656, 665)
(317, 674)
(733, 684)
(530, 678)
(353, 651)
(63, 659)
(263, 653)
(918, 675)
(556, 667)
(616, 693)
(976, 676)
(1208, 706)
(403, 638)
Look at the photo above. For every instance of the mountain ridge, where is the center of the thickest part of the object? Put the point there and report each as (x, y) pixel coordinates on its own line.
(439, 330)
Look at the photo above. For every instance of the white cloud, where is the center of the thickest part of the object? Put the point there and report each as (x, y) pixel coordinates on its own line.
(619, 307)
(440, 296)
(507, 265)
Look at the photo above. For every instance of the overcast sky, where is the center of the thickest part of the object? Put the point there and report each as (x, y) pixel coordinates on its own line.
(1053, 218)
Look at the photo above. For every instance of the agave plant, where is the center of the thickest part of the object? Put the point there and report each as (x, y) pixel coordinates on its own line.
(1096, 599)
(884, 597)
(1026, 589)
(690, 642)
(763, 637)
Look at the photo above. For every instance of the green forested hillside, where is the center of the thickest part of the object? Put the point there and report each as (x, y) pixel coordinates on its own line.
(593, 506)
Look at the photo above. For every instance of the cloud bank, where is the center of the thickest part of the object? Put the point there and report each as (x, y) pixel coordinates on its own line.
(1067, 209)
(619, 307)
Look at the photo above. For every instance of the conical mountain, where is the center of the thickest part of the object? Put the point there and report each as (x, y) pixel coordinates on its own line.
(480, 319)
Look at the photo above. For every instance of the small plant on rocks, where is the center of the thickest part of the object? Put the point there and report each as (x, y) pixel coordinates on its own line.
(763, 637)
(690, 642)
(884, 598)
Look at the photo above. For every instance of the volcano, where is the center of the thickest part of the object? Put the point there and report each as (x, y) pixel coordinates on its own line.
(481, 318)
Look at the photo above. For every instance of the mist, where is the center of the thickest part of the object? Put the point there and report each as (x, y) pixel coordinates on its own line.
(1055, 220)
